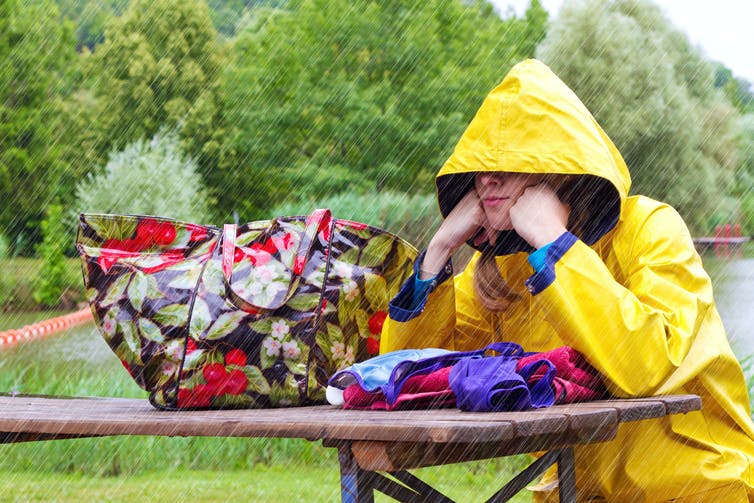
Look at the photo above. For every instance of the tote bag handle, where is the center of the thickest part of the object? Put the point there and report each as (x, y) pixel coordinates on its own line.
(319, 220)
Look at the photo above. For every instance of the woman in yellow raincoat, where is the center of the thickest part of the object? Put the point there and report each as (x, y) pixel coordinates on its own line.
(567, 257)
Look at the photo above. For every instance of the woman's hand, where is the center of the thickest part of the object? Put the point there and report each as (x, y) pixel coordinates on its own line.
(464, 222)
(539, 216)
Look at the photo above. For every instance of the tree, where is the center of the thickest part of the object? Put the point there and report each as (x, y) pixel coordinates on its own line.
(159, 65)
(654, 95)
(36, 50)
(90, 18)
(535, 28)
(739, 91)
(380, 89)
(744, 179)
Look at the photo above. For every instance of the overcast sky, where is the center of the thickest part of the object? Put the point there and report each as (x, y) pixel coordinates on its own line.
(721, 28)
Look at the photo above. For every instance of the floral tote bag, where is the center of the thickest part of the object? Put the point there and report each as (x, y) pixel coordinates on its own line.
(254, 315)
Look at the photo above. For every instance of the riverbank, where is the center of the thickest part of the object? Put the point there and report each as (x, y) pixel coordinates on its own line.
(19, 277)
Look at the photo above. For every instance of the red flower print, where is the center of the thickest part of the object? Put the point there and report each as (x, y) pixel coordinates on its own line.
(350, 223)
(139, 243)
(106, 262)
(373, 345)
(185, 397)
(197, 232)
(238, 255)
(165, 234)
(284, 243)
(298, 265)
(250, 310)
(258, 255)
(236, 383)
(214, 373)
(270, 246)
(111, 244)
(376, 321)
(147, 229)
(169, 258)
(235, 357)
(112, 250)
(202, 395)
(190, 346)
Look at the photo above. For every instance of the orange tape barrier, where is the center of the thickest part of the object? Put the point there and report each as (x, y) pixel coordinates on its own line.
(44, 328)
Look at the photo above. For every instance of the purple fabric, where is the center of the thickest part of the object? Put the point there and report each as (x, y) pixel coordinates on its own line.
(494, 384)
(405, 370)
(511, 381)
(395, 368)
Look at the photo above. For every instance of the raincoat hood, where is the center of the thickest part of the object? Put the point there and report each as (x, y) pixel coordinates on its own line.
(533, 123)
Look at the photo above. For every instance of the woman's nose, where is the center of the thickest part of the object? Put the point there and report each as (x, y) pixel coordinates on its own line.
(490, 179)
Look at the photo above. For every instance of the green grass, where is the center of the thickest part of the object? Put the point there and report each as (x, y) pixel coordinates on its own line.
(294, 482)
(174, 469)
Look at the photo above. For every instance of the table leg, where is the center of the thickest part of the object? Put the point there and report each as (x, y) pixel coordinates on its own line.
(358, 485)
(567, 475)
(354, 482)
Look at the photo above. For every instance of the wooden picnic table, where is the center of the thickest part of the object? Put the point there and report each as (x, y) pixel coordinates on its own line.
(375, 448)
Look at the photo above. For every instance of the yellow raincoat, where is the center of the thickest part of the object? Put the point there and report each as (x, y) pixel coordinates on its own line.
(631, 295)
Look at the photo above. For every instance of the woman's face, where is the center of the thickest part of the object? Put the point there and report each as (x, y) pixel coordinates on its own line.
(498, 192)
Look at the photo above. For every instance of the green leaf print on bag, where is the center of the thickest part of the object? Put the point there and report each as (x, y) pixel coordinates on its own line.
(224, 325)
(175, 315)
(202, 320)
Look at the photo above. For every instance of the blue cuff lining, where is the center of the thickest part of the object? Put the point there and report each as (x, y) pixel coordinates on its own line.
(421, 288)
(412, 297)
(537, 257)
(555, 250)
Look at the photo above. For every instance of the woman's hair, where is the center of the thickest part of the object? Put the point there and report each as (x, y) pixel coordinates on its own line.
(490, 287)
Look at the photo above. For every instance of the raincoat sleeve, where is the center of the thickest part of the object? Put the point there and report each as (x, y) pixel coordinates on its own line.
(449, 306)
(636, 329)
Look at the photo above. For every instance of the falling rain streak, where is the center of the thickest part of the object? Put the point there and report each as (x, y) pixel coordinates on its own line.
(214, 111)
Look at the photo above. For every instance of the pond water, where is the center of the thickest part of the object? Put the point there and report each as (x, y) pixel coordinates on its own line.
(734, 294)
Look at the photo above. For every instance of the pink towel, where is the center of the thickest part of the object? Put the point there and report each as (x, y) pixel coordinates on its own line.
(419, 392)
(575, 380)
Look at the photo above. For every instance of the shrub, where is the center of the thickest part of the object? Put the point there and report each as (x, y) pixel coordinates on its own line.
(51, 249)
(7, 287)
(4, 246)
(148, 178)
(413, 217)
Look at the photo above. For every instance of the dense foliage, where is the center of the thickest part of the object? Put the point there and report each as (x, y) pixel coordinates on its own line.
(158, 66)
(36, 50)
(292, 103)
(51, 249)
(380, 89)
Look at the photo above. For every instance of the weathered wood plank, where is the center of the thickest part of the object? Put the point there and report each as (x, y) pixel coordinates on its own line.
(65, 417)
(677, 404)
(127, 417)
(391, 456)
